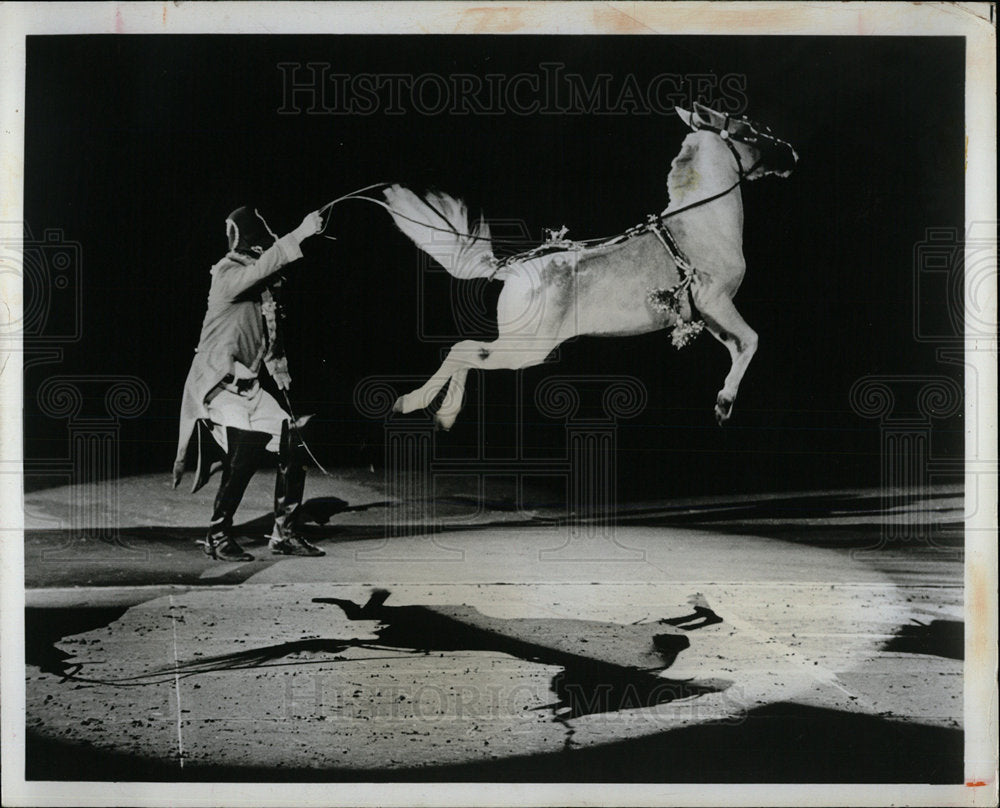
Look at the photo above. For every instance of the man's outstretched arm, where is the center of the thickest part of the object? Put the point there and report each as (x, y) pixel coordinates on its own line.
(285, 250)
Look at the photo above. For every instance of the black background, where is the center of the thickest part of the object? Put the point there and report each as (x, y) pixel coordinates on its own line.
(137, 148)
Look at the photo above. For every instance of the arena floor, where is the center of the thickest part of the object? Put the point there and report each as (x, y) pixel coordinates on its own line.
(776, 638)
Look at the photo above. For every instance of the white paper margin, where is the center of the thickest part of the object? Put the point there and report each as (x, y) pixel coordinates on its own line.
(974, 21)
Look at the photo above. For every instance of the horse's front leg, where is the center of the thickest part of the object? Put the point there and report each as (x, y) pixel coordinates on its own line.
(727, 326)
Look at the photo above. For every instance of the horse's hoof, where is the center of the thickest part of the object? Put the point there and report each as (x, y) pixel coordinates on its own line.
(398, 405)
(723, 409)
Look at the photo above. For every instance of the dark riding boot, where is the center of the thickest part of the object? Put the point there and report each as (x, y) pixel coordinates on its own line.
(288, 490)
(242, 459)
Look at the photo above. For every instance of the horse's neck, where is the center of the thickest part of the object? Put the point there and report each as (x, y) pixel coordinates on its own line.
(711, 234)
(702, 168)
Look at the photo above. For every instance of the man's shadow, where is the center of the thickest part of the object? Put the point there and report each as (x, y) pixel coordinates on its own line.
(315, 516)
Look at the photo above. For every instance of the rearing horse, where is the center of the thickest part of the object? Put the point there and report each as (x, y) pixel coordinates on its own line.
(684, 264)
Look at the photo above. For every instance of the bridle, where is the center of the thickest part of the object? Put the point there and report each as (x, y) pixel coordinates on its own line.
(758, 139)
(726, 136)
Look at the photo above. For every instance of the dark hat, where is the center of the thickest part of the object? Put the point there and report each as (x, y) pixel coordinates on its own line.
(248, 232)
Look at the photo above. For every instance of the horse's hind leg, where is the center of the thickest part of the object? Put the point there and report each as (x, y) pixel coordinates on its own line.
(503, 354)
(452, 372)
(727, 326)
(453, 399)
(424, 395)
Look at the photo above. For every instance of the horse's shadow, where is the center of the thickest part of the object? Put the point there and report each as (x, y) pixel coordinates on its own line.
(590, 681)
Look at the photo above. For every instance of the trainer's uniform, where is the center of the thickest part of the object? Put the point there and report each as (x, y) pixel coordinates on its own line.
(222, 383)
(240, 336)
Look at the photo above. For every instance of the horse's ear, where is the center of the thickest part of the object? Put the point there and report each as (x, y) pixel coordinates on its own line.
(705, 113)
(684, 116)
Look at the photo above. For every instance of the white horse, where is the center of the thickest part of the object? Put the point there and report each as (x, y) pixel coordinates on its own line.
(685, 264)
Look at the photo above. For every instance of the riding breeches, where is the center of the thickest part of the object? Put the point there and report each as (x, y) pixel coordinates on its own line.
(252, 409)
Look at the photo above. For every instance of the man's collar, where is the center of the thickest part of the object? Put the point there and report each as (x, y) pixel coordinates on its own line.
(240, 258)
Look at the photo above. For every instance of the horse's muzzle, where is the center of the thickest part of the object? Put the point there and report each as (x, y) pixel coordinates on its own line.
(780, 158)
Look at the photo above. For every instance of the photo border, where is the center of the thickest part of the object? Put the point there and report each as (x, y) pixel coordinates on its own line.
(973, 21)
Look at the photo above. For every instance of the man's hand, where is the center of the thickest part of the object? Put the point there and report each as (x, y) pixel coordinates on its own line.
(311, 225)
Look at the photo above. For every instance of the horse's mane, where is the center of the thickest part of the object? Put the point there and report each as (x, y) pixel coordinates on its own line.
(682, 175)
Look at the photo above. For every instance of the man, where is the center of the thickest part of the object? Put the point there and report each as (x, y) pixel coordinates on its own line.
(223, 401)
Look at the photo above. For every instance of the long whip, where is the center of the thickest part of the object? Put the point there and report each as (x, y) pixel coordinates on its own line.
(302, 440)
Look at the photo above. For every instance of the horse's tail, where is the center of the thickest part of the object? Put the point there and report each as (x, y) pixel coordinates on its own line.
(439, 225)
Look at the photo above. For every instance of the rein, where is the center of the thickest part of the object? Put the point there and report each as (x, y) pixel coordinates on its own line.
(655, 221)
(632, 231)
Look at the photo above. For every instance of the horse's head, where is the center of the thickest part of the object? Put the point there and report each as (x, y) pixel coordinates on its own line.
(756, 149)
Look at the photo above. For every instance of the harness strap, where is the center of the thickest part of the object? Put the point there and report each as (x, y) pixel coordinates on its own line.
(656, 226)
(669, 300)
